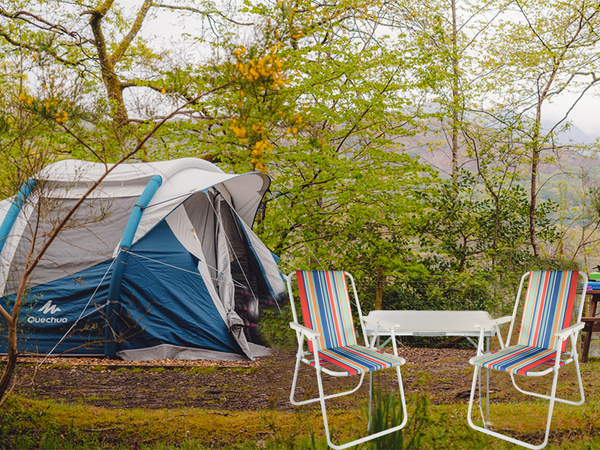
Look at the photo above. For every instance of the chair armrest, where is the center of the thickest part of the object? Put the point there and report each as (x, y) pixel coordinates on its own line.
(564, 334)
(493, 323)
(310, 334)
(386, 324)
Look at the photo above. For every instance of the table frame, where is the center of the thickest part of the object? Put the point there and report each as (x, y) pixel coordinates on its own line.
(429, 323)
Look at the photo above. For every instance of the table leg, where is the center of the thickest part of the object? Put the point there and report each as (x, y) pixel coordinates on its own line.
(480, 348)
(487, 390)
(590, 327)
(586, 344)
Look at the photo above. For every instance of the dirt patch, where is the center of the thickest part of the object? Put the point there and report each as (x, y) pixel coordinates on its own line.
(444, 374)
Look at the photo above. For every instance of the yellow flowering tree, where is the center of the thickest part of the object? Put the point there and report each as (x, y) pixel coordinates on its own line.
(317, 105)
(257, 109)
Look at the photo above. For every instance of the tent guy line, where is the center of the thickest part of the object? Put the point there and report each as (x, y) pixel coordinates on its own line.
(81, 316)
(238, 284)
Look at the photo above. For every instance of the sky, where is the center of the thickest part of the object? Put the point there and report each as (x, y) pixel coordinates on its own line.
(585, 116)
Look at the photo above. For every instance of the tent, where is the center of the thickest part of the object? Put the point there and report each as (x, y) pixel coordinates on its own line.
(159, 261)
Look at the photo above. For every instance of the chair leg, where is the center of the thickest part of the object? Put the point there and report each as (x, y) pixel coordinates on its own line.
(370, 400)
(322, 399)
(581, 393)
(552, 398)
(295, 378)
(561, 400)
(293, 401)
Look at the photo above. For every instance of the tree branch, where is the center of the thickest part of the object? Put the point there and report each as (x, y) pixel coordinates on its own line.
(33, 48)
(135, 28)
(204, 13)
(40, 23)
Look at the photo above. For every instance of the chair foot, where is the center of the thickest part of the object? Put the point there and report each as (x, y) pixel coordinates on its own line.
(505, 437)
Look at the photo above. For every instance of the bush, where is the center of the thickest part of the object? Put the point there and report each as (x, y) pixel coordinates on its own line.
(441, 292)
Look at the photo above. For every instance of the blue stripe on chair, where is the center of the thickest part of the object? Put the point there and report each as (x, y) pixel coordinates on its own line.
(355, 359)
(520, 359)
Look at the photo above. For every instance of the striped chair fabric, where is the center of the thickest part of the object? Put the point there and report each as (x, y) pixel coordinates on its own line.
(548, 309)
(519, 359)
(325, 303)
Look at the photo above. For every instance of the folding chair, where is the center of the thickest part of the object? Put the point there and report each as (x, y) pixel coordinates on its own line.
(542, 343)
(332, 346)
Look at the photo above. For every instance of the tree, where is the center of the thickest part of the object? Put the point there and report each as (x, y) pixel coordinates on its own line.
(548, 51)
(320, 104)
(447, 36)
(103, 45)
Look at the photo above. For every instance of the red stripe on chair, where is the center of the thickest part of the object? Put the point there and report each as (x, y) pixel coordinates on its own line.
(304, 299)
(334, 310)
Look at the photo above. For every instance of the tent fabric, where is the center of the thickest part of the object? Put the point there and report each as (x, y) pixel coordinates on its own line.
(166, 351)
(50, 310)
(162, 286)
(178, 280)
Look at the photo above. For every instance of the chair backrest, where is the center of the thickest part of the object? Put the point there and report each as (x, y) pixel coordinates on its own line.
(325, 303)
(548, 307)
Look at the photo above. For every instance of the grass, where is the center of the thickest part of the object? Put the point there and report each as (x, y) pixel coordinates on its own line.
(27, 423)
(46, 424)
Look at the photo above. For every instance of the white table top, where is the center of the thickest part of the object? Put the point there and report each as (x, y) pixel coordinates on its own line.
(432, 323)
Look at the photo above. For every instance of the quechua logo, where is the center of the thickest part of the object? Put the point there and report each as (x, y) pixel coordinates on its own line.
(47, 309)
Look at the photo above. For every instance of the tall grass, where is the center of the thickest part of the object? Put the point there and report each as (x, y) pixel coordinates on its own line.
(387, 412)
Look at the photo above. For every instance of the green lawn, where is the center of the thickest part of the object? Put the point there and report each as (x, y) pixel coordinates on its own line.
(436, 420)
(43, 424)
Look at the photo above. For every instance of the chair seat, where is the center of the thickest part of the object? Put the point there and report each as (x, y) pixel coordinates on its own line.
(355, 359)
(520, 359)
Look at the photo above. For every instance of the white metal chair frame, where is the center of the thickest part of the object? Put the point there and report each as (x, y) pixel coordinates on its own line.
(309, 358)
(570, 333)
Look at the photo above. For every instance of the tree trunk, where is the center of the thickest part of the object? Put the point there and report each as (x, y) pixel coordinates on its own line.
(455, 96)
(535, 164)
(11, 359)
(533, 203)
(114, 88)
(379, 289)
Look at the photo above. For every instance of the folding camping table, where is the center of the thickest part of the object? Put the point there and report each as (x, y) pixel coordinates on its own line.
(435, 323)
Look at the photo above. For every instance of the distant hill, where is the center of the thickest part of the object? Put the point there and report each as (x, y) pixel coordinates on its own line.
(574, 134)
(577, 170)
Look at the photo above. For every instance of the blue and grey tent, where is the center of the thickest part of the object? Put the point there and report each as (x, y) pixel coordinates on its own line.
(159, 262)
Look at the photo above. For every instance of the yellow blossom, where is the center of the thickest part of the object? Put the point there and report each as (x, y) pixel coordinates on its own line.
(61, 116)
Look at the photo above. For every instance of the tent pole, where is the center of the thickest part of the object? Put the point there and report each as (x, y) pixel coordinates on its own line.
(15, 209)
(110, 332)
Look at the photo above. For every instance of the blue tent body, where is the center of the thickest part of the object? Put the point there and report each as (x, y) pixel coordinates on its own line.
(173, 273)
